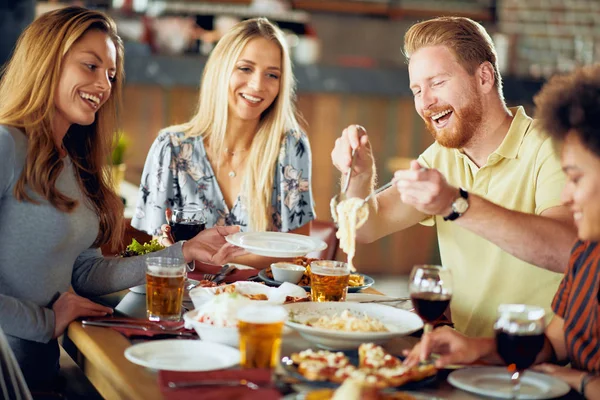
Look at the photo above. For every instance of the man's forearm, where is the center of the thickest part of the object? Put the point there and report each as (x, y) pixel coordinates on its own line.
(538, 240)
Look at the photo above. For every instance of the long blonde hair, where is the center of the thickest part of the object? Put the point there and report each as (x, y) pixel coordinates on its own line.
(467, 39)
(210, 119)
(27, 90)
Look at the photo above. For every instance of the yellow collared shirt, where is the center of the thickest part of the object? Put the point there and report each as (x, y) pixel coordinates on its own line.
(523, 174)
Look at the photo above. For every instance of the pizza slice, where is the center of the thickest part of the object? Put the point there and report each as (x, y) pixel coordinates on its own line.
(337, 359)
(371, 356)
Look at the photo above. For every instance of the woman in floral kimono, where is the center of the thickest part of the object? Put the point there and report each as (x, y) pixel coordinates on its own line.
(242, 157)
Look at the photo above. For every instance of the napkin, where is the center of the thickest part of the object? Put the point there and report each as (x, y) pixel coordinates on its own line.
(153, 330)
(258, 376)
(236, 275)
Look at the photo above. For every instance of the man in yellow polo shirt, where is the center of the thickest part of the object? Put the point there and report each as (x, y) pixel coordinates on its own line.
(491, 182)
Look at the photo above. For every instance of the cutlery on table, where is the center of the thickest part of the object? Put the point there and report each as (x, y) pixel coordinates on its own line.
(143, 325)
(217, 382)
(398, 299)
(225, 269)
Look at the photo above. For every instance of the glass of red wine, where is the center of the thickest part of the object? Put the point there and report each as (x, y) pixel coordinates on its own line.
(187, 222)
(430, 288)
(519, 338)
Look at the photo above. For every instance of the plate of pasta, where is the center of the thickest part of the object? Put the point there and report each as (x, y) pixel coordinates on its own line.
(276, 244)
(345, 325)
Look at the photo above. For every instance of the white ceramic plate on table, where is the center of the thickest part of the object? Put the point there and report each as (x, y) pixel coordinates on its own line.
(276, 244)
(495, 382)
(398, 322)
(183, 355)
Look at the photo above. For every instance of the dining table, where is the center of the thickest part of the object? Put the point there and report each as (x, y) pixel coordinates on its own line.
(99, 351)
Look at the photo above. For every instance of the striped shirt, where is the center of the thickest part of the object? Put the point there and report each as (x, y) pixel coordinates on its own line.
(577, 302)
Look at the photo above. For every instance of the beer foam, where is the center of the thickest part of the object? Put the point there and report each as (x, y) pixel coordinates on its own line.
(159, 270)
(262, 314)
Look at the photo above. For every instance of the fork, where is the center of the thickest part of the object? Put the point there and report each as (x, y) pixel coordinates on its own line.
(143, 325)
(211, 277)
(216, 382)
(342, 195)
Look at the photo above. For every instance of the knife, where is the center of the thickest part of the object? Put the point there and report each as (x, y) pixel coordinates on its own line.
(140, 327)
(226, 270)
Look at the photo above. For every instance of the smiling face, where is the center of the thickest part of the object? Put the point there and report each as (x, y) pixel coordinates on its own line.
(582, 190)
(255, 80)
(445, 96)
(85, 81)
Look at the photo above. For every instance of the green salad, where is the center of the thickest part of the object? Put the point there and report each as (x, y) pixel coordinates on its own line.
(138, 249)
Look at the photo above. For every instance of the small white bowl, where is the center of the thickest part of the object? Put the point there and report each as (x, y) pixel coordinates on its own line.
(224, 335)
(287, 272)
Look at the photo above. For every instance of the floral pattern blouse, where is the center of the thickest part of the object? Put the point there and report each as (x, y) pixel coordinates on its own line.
(177, 173)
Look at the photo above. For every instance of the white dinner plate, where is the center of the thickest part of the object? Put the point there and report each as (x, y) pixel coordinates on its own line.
(183, 355)
(495, 382)
(276, 244)
(398, 322)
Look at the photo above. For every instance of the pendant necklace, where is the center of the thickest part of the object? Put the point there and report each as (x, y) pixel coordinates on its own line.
(232, 173)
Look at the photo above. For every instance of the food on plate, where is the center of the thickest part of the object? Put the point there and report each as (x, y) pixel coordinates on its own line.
(137, 249)
(352, 213)
(355, 390)
(354, 280)
(221, 310)
(348, 322)
(233, 289)
(376, 368)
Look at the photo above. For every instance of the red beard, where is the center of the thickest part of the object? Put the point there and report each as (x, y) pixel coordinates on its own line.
(466, 122)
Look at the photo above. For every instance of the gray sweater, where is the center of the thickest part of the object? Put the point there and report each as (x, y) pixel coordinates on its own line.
(43, 251)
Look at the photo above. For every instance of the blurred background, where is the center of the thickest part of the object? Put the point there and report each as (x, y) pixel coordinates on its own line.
(349, 67)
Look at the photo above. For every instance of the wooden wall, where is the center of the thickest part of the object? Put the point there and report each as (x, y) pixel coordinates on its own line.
(393, 125)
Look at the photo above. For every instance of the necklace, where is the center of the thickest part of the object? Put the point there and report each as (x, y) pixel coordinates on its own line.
(232, 173)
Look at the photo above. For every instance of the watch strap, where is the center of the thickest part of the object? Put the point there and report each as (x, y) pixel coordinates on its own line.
(454, 214)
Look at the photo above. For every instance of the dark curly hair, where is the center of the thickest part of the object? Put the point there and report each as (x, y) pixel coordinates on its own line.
(571, 103)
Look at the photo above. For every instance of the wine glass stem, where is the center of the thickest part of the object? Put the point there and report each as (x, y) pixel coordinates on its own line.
(427, 328)
(515, 379)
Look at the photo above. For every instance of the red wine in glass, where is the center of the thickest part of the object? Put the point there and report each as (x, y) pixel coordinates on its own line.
(186, 230)
(519, 338)
(430, 306)
(519, 349)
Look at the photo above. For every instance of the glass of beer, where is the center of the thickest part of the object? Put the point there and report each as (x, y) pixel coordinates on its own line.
(329, 280)
(260, 329)
(165, 278)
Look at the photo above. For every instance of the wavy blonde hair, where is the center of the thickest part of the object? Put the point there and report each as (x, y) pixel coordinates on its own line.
(210, 119)
(468, 40)
(27, 91)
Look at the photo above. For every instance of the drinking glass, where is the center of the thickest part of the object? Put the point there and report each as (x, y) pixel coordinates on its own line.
(519, 338)
(187, 222)
(329, 280)
(164, 288)
(430, 288)
(260, 328)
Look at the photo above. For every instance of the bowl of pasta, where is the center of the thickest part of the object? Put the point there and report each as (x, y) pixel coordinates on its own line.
(345, 325)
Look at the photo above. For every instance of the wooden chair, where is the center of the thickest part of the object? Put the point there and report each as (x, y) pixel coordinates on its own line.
(325, 230)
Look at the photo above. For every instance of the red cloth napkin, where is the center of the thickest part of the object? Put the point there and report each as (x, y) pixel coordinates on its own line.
(237, 275)
(153, 330)
(258, 376)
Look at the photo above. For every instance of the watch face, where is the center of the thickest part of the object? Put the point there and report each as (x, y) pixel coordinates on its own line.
(460, 205)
